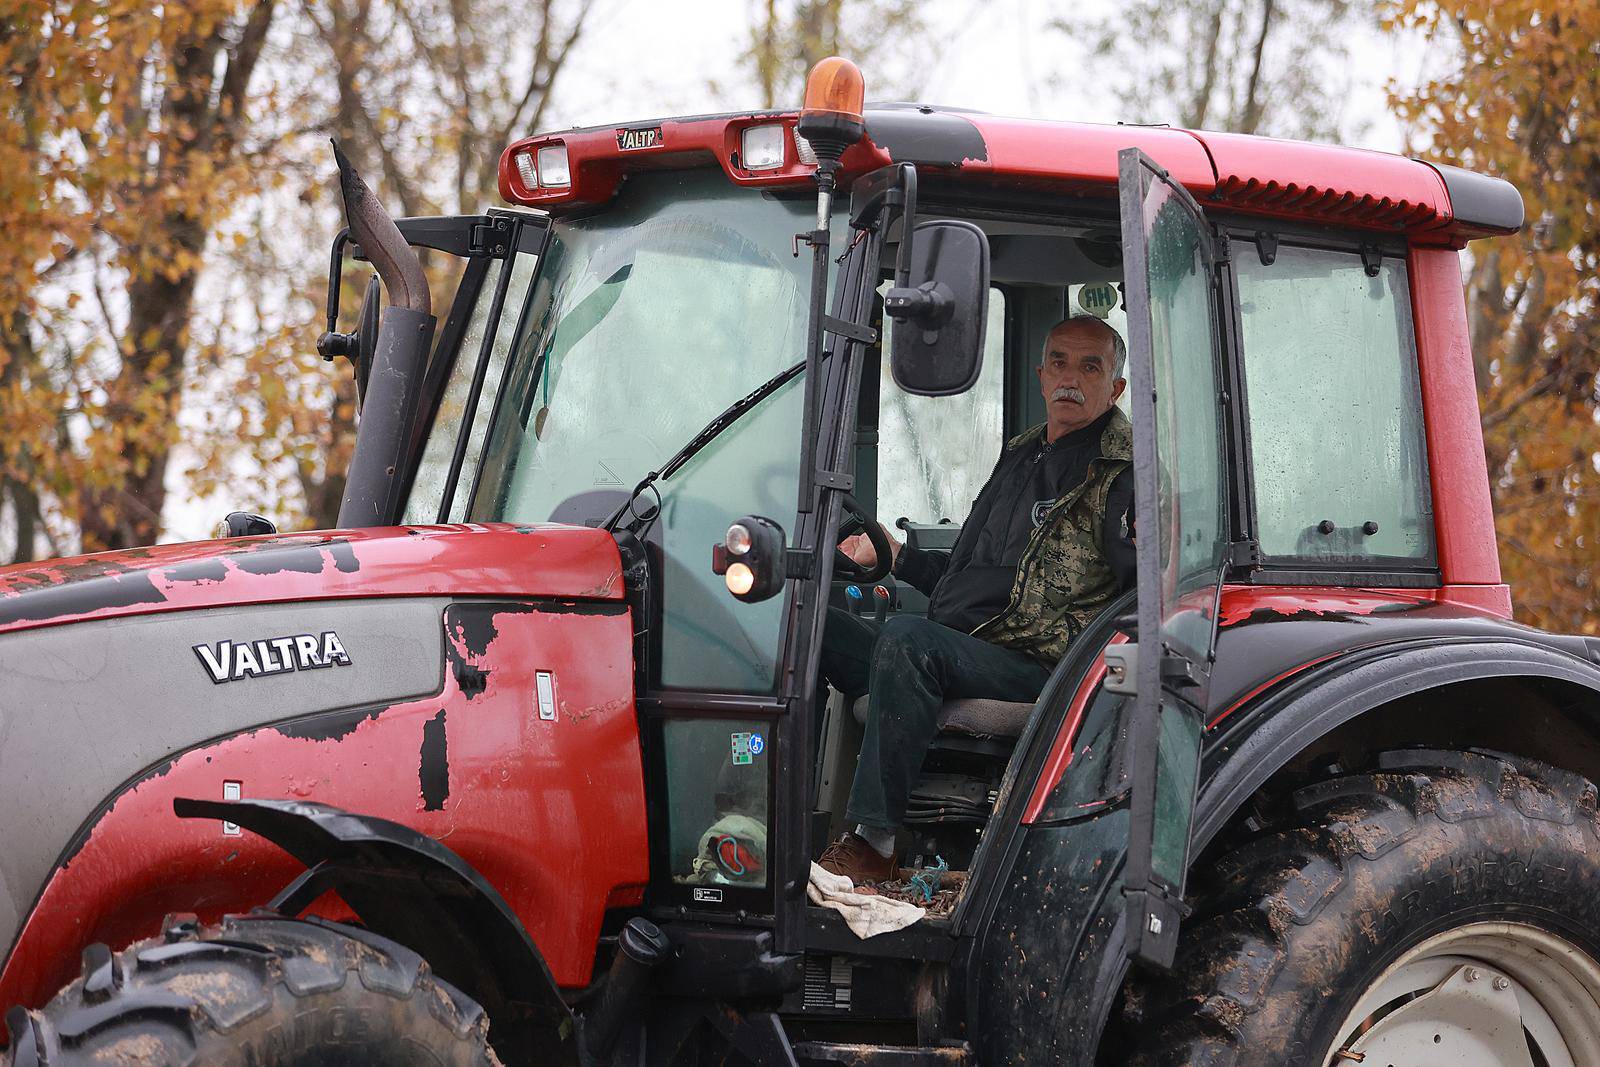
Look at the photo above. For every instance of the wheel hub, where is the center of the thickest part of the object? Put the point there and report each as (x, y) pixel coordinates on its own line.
(1488, 994)
(1471, 1017)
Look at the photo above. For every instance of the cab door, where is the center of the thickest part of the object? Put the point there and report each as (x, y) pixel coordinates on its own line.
(1177, 401)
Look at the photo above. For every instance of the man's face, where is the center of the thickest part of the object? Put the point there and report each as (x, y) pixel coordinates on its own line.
(1077, 377)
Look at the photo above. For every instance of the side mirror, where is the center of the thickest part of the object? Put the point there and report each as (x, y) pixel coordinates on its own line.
(367, 335)
(361, 346)
(940, 306)
(753, 559)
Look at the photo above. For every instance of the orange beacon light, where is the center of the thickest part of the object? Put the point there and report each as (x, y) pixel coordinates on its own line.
(832, 117)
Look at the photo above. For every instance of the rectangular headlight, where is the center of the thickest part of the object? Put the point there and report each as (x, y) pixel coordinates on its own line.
(525, 171)
(553, 169)
(762, 148)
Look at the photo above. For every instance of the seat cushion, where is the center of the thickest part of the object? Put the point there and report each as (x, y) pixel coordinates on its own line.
(984, 718)
(977, 717)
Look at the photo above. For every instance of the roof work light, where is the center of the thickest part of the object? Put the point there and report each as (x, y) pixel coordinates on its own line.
(761, 147)
(553, 169)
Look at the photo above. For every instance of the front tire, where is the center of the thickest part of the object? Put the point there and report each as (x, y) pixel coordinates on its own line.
(258, 991)
(1357, 926)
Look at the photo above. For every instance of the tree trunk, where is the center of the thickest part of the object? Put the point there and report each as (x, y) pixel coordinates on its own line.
(1250, 117)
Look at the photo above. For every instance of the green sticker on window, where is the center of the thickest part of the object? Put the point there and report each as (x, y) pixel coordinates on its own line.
(1098, 300)
(741, 750)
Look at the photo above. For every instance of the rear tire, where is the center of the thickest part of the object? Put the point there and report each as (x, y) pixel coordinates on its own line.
(262, 992)
(1435, 861)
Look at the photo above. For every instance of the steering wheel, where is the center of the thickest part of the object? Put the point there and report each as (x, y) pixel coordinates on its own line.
(857, 520)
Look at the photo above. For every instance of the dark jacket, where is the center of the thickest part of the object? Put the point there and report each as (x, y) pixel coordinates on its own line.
(1066, 573)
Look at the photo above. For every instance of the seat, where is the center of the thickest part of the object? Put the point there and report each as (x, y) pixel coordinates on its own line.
(958, 784)
(971, 717)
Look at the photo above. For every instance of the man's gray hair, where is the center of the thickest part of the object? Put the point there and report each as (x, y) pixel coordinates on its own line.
(1119, 347)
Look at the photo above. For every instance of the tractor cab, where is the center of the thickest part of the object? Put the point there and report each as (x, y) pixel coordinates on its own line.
(638, 360)
(729, 341)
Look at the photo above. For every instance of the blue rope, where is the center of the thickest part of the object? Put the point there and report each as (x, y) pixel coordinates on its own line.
(927, 881)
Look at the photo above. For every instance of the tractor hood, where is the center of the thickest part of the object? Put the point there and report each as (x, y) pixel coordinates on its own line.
(496, 559)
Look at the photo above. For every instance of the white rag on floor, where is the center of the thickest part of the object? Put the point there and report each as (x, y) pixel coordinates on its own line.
(867, 915)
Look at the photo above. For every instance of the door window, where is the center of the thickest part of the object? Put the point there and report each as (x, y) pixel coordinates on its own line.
(935, 452)
(1180, 501)
(1335, 411)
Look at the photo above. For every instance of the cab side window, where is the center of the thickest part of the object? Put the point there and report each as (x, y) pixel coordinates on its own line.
(1335, 414)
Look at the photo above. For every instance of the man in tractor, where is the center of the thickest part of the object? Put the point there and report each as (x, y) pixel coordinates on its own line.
(1047, 545)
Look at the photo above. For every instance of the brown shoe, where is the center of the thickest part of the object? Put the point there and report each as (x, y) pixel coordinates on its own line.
(858, 861)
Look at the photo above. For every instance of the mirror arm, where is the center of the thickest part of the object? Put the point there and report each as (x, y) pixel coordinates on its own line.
(335, 271)
(908, 215)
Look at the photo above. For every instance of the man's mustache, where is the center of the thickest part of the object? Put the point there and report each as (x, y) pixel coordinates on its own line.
(1066, 392)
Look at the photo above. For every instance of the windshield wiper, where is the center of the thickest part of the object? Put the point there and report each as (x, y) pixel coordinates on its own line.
(712, 430)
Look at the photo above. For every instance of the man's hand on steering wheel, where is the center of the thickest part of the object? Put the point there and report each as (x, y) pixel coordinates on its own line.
(867, 555)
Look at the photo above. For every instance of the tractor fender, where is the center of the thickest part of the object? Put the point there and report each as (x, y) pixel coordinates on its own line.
(1259, 740)
(413, 890)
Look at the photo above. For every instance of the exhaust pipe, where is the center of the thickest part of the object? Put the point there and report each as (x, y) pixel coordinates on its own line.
(641, 948)
(394, 381)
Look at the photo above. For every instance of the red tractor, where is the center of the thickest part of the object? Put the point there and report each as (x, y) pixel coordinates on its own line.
(528, 763)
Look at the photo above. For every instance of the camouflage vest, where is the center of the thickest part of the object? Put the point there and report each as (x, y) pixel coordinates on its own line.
(1063, 579)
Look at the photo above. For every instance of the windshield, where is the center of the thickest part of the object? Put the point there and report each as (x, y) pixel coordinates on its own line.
(648, 319)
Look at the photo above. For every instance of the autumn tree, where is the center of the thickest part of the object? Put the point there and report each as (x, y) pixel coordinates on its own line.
(124, 123)
(1248, 66)
(423, 95)
(1520, 101)
(787, 37)
(44, 228)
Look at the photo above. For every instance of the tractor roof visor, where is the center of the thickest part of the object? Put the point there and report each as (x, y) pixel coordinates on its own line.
(581, 169)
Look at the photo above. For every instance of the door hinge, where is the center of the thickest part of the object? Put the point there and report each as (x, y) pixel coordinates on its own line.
(489, 238)
(1245, 554)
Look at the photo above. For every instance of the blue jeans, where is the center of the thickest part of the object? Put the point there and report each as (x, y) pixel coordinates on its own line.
(909, 666)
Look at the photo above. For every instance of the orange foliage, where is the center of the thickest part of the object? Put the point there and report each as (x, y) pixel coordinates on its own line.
(121, 133)
(1524, 103)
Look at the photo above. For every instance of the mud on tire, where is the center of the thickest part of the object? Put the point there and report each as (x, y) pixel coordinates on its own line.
(263, 992)
(1290, 928)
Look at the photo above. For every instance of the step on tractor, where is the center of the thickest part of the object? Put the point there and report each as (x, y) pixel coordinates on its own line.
(528, 762)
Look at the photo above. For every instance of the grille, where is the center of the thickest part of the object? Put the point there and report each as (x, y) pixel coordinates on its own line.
(1334, 205)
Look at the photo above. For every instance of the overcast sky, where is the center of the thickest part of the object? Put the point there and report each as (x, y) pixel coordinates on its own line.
(648, 58)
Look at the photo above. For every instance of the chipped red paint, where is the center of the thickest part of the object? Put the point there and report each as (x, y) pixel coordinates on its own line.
(1242, 602)
(1258, 175)
(497, 559)
(551, 813)
(1060, 757)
